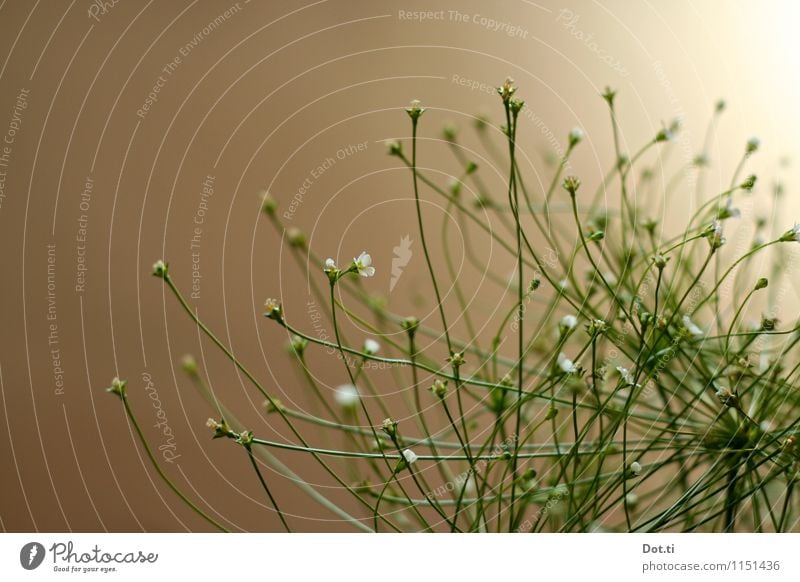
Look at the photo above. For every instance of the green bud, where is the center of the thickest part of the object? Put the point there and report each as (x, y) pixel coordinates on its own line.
(117, 387)
(160, 269)
(268, 204)
(571, 184)
(439, 388)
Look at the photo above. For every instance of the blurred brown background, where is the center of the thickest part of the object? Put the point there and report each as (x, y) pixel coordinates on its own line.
(256, 95)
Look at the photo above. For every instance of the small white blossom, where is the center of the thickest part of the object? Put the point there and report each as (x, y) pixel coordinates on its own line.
(715, 236)
(796, 232)
(636, 468)
(569, 322)
(364, 265)
(330, 264)
(627, 376)
(371, 347)
(347, 396)
(691, 327)
(410, 456)
(567, 366)
(576, 135)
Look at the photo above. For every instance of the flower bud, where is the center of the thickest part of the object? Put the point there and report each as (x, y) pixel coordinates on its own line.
(189, 365)
(414, 110)
(749, 183)
(296, 237)
(371, 347)
(298, 344)
(456, 359)
(609, 95)
(347, 397)
(571, 184)
(268, 204)
(117, 387)
(752, 145)
(507, 89)
(439, 388)
(160, 269)
(220, 428)
(389, 426)
(273, 310)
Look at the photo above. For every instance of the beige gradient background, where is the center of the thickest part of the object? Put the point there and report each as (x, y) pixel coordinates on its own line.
(260, 102)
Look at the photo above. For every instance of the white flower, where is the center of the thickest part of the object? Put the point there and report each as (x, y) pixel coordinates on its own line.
(347, 396)
(364, 265)
(567, 366)
(575, 135)
(569, 322)
(796, 232)
(371, 347)
(691, 327)
(410, 456)
(636, 468)
(627, 377)
(330, 264)
(715, 237)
